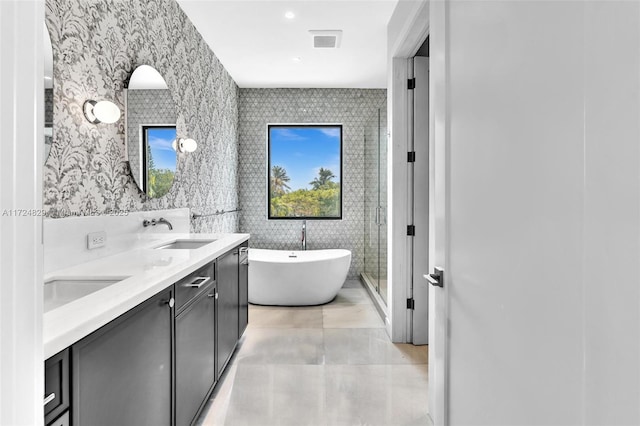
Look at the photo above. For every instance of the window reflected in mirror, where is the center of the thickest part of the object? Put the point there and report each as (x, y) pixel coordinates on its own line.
(159, 158)
(151, 131)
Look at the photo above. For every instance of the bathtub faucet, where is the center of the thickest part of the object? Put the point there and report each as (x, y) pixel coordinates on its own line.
(304, 235)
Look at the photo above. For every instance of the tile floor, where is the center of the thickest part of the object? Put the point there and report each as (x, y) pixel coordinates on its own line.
(321, 365)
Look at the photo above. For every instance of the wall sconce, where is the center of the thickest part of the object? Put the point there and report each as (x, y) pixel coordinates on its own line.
(101, 112)
(184, 145)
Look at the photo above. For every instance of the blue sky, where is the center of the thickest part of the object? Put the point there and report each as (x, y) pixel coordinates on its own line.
(301, 151)
(160, 140)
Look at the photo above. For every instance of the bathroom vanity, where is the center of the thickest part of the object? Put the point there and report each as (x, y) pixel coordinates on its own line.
(149, 346)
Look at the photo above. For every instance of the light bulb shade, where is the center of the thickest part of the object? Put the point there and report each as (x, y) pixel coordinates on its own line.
(184, 145)
(188, 145)
(101, 112)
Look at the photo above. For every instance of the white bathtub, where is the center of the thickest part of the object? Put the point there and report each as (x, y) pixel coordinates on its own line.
(296, 278)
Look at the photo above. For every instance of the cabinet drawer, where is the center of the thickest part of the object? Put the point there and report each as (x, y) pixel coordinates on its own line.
(193, 284)
(56, 385)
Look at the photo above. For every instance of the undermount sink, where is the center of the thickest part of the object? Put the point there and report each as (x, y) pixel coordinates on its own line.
(185, 244)
(63, 291)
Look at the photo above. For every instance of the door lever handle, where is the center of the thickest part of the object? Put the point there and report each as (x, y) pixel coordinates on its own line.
(437, 278)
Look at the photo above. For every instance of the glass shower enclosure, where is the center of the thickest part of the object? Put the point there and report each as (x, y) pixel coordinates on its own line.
(375, 203)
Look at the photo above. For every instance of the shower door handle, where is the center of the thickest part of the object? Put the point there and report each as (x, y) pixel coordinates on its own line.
(379, 220)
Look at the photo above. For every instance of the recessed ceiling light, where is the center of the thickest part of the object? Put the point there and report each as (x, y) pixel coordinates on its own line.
(289, 15)
(296, 59)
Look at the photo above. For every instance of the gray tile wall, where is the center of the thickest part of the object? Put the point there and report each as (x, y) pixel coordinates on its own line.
(259, 107)
(96, 46)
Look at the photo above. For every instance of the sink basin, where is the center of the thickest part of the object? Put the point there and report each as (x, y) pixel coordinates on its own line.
(185, 244)
(60, 292)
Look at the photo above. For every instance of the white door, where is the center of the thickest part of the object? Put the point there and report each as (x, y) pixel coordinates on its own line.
(535, 159)
(420, 318)
(438, 312)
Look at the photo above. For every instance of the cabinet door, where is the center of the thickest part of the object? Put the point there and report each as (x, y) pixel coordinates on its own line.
(56, 385)
(195, 356)
(227, 323)
(243, 289)
(122, 372)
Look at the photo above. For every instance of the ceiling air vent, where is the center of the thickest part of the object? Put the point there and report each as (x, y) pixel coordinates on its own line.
(326, 39)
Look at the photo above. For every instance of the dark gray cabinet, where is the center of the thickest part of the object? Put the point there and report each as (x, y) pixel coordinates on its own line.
(228, 301)
(195, 353)
(158, 363)
(122, 373)
(56, 386)
(243, 288)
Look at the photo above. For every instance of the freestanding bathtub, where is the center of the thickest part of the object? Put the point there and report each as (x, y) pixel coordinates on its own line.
(296, 278)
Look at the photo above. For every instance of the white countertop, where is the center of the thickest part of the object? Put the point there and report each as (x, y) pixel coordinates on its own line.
(148, 272)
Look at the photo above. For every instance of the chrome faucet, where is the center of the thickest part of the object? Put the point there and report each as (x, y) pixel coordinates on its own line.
(166, 222)
(304, 235)
(154, 222)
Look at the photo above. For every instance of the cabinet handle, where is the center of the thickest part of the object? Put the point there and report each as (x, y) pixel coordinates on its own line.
(198, 282)
(171, 302)
(244, 250)
(49, 398)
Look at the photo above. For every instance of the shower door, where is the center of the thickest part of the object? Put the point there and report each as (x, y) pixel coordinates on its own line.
(375, 203)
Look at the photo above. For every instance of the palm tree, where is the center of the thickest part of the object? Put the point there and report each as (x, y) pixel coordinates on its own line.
(279, 180)
(324, 177)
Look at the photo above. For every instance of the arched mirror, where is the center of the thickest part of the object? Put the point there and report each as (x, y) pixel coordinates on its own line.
(151, 131)
(48, 93)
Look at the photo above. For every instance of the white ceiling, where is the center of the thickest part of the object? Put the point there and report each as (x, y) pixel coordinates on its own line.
(257, 44)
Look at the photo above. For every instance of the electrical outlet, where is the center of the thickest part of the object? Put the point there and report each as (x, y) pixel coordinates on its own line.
(96, 239)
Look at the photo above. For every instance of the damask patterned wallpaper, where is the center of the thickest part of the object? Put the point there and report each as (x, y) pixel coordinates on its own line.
(96, 46)
(350, 107)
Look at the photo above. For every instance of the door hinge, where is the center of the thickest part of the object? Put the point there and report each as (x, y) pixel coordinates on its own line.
(411, 230)
(411, 157)
(411, 304)
(411, 83)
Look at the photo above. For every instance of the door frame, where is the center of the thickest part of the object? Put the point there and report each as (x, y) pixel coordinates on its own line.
(21, 163)
(407, 30)
(409, 26)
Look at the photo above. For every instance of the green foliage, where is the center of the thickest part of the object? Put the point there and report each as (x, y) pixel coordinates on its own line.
(159, 182)
(279, 179)
(150, 163)
(324, 178)
(309, 203)
(323, 200)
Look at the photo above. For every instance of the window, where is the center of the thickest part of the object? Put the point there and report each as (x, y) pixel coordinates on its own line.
(159, 158)
(305, 171)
